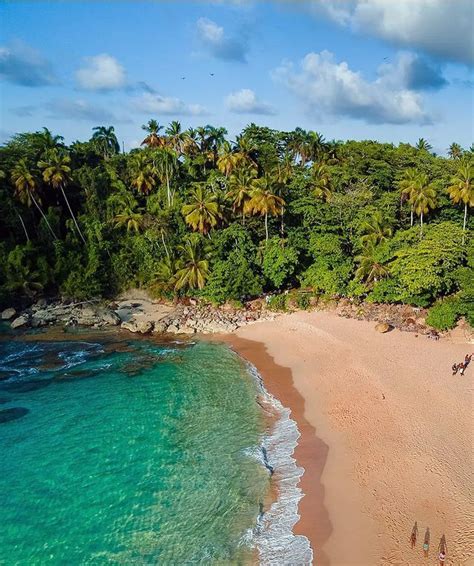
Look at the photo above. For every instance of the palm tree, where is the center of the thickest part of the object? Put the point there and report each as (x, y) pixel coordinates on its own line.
(25, 189)
(462, 190)
(423, 197)
(263, 201)
(246, 152)
(165, 165)
(227, 160)
(142, 173)
(176, 137)
(203, 212)
(241, 185)
(314, 146)
(322, 182)
(423, 145)
(455, 151)
(153, 139)
(105, 141)
(57, 173)
(193, 267)
(375, 230)
(370, 269)
(408, 186)
(129, 218)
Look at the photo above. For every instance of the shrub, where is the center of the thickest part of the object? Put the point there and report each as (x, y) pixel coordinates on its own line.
(444, 314)
(303, 301)
(278, 302)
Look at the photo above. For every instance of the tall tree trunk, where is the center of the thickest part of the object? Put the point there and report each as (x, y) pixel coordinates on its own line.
(72, 216)
(43, 215)
(421, 225)
(282, 223)
(464, 224)
(266, 227)
(411, 217)
(24, 227)
(164, 244)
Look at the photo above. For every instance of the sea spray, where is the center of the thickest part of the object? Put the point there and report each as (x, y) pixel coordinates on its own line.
(273, 534)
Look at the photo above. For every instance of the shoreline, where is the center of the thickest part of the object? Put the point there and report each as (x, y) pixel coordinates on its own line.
(310, 452)
(377, 456)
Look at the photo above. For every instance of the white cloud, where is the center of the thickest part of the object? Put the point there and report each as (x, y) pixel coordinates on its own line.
(218, 44)
(101, 72)
(156, 104)
(22, 65)
(245, 101)
(328, 87)
(442, 28)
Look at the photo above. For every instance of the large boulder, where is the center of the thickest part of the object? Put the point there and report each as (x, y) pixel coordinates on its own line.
(383, 327)
(140, 326)
(21, 321)
(8, 314)
(109, 317)
(43, 317)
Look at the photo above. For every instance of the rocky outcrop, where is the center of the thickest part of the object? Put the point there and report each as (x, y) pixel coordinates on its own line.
(21, 321)
(8, 314)
(140, 326)
(383, 327)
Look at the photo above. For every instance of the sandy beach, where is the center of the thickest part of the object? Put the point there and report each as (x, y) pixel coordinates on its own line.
(386, 436)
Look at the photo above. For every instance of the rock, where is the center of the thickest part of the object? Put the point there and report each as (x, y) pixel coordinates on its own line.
(172, 329)
(383, 327)
(140, 326)
(41, 304)
(21, 321)
(109, 317)
(8, 314)
(160, 326)
(186, 330)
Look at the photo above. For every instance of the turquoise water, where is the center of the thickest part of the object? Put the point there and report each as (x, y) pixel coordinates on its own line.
(127, 452)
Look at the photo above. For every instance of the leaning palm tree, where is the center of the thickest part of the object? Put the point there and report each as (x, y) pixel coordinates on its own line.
(25, 189)
(375, 230)
(264, 201)
(105, 141)
(462, 190)
(57, 173)
(203, 212)
(241, 185)
(153, 139)
(423, 197)
(193, 267)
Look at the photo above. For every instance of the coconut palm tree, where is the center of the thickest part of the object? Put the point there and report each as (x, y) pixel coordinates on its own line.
(25, 189)
(176, 137)
(423, 197)
(241, 185)
(246, 152)
(131, 219)
(375, 230)
(370, 268)
(153, 139)
(423, 145)
(203, 212)
(314, 146)
(105, 141)
(408, 185)
(193, 267)
(455, 151)
(264, 201)
(57, 173)
(322, 182)
(227, 159)
(142, 173)
(462, 190)
(165, 166)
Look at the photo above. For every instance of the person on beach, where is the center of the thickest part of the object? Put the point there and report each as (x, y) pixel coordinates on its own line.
(426, 543)
(455, 368)
(414, 532)
(462, 367)
(442, 548)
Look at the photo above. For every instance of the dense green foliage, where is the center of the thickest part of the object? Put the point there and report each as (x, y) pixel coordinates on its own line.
(191, 213)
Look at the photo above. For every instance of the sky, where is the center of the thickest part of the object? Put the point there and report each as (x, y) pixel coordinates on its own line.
(386, 70)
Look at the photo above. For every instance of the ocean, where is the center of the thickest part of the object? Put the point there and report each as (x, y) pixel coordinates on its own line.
(132, 451)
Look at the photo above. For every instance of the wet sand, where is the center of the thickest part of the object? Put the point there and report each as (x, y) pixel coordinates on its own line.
(386, 436)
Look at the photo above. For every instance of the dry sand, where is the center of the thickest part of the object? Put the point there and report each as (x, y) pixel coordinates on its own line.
(387, 436)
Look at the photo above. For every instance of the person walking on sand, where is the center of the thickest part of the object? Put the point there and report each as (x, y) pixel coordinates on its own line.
(414, 532)
(455, 368)
(442, 548)
(462, 368)
(426, 543)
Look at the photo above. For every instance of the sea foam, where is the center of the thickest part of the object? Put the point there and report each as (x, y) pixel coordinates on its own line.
(273, 535)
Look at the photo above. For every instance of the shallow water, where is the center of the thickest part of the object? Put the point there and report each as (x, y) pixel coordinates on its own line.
(128, 452)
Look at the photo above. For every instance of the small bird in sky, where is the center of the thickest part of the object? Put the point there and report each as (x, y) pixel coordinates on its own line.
(385, 58)
(212, 74)
(182, 78)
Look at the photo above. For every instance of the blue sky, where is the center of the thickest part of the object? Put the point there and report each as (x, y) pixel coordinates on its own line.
(352, 69)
